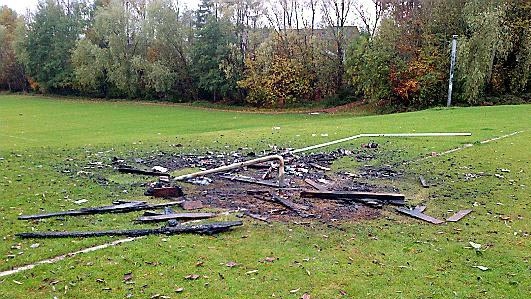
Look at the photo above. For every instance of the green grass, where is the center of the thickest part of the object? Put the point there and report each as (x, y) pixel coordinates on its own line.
(392, 257)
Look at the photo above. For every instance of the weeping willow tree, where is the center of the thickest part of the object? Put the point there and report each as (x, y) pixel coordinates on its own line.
(495, 55)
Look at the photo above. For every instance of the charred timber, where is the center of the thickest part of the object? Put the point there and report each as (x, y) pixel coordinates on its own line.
(393, 198)
(207, 229)
(119, 208)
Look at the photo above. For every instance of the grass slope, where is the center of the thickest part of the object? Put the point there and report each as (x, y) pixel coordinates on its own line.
(44, 142)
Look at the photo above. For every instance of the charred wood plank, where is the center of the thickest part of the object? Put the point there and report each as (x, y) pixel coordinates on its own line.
(179, 216)
(119, 208)
(208, 228)
(315, 185)
(458, 216)
(374, 203)
(256, 216)
(142, 172)
(419, 215)
(290, 205)
(395, 197)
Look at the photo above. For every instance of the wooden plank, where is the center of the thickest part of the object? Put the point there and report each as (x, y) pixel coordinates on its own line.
(315, 185)
(350, 194)
(288, 204)
(142, 172)
(420, 209)
(180, 216)
(419, 215)
(256, 216)
(119, 208)
(458, 216)
(374, 203)
(208, 228)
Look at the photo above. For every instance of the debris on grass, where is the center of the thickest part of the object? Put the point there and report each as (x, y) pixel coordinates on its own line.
(419, 215)
(458, 216)
(423, 182)
(207, 228)
(119, 207)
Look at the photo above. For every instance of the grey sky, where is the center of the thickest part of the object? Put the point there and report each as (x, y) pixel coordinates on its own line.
(21, 6)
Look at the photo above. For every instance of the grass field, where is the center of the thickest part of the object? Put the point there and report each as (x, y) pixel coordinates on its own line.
(44, 142)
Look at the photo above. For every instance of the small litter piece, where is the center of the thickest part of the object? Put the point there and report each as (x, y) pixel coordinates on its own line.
(201, 181)
(458, 216)
(476, 246)
(159, 169)
(482, 268)
(423, 182)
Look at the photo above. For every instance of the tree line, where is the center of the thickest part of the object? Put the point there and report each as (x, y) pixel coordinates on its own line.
(269, 53)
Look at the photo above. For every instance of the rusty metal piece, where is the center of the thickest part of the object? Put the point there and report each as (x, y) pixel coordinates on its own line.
(458, 216)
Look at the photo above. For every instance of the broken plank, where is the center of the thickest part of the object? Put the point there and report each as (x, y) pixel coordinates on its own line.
(315, 184)
(256, 216)
(423, 182)
(208, 228)
(419, 215)
(119, 208)
(180, 216)
(420, 209)
(142, 172)
(351, 194)
(291, 205)
(458, 216)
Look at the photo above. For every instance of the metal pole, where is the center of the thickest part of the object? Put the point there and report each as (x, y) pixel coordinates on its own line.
(452, 65)
(238, 165)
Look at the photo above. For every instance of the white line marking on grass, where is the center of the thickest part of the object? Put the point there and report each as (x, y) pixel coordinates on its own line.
(18, 137)
(64, 256)
(466, 146)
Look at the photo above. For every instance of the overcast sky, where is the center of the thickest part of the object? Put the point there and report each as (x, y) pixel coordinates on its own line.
(21, 6)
